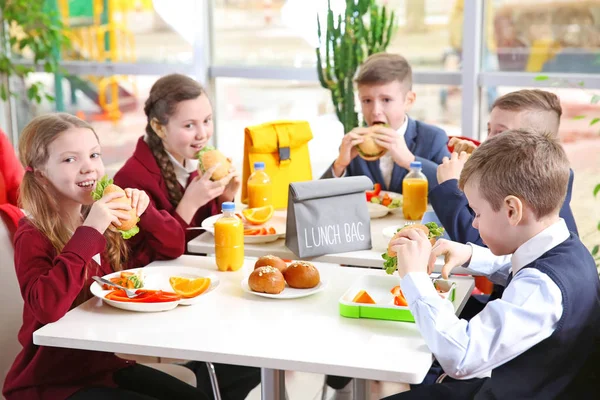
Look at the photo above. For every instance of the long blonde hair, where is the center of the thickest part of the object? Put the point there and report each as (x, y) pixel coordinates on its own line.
(37, 196)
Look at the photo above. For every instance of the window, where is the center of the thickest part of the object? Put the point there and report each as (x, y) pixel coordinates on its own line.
(544, 36)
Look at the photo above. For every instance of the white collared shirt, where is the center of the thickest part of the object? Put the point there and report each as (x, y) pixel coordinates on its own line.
(386, 162)
(527, 313)
(182, 172)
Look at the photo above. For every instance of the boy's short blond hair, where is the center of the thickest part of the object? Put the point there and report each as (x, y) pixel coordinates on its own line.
(381, 68)
(543, 107)
(530, 165)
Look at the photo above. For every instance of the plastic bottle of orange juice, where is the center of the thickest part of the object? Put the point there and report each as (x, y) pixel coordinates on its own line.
(414, 192)
(260, 190)
(229, 240)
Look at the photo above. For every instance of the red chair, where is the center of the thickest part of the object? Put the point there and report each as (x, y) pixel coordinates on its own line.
(451, 148)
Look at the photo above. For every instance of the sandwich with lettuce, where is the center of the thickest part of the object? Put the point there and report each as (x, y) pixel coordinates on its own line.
(431, 229)
(128, 228)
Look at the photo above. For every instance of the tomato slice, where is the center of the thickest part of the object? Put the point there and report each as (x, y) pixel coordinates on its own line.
(400, 301)
(396, 291)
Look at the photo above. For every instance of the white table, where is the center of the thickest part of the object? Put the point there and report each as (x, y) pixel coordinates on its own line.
(235, 327)
(205, 244)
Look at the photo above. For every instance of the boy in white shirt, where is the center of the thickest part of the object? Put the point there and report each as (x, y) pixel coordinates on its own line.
(540, 339)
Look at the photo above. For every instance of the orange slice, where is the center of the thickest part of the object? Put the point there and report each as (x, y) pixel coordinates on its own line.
(188, 288)
(258, 216)
(363, 297)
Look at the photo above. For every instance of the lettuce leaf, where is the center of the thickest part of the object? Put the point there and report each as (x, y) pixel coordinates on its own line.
(130, 233)
(199, 156)
(435, 230)
(100, 186)
(390, 263)
(137, 280)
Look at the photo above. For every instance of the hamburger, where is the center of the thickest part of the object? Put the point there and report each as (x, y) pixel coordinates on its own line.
(208, 157)
(369, 150)
(128, 227)
(431, 229)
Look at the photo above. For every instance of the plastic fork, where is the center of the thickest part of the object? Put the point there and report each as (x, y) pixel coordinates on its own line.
(130, 293)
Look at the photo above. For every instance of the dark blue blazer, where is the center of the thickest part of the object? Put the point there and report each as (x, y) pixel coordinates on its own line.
(428, 143)
(452, 208)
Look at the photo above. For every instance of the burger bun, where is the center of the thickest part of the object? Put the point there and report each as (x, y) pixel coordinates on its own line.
(266, 280)
(302, 275)
(273, 261)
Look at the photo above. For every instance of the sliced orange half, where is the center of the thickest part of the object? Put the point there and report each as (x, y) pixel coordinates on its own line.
(258, 216)
(188, 288)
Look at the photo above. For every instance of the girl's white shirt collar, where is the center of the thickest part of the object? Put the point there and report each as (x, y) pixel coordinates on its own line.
(182, 172)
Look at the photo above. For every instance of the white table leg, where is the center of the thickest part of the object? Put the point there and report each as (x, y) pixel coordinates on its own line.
(272, 384)
(362, 389)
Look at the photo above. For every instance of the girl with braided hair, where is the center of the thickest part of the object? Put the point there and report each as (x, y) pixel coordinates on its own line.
(164, 165)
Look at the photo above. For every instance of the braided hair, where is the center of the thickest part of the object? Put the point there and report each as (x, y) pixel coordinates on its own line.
(164, 96)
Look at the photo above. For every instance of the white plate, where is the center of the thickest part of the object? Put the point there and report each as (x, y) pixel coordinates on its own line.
(278, 222)
(377, 210)
(157, 278)
(393, 195)
(288, 292)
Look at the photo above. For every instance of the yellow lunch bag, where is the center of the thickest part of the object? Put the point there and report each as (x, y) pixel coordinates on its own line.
(283, 147)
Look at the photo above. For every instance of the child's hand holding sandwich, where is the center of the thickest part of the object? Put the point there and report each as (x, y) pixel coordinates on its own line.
(412, 248)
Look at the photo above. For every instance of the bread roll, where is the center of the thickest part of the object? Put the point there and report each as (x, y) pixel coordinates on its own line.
(302, 275)
(272, 261)
(266, 280)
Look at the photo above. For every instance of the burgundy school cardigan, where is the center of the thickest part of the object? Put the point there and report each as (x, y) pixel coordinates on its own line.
(51, 282)
(141, 171)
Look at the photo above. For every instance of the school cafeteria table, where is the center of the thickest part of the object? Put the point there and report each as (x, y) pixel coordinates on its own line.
(232, 326)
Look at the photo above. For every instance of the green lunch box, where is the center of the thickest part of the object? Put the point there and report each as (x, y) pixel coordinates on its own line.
(379, 288)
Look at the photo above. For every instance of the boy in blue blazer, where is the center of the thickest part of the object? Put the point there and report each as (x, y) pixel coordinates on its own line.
(384, 85)
(524, 109)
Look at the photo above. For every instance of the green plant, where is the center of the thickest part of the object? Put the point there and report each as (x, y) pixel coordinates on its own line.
(30, 27)
(364, 29)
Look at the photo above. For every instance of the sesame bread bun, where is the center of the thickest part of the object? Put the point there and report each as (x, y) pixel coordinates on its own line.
(270, 260)
(266, 280)
(302, 275)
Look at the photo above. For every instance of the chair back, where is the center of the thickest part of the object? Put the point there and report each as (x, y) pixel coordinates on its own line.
(11, 312)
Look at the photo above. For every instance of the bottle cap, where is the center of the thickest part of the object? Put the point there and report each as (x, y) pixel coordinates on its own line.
(259, 165)
(228, 206)
(416, 164)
